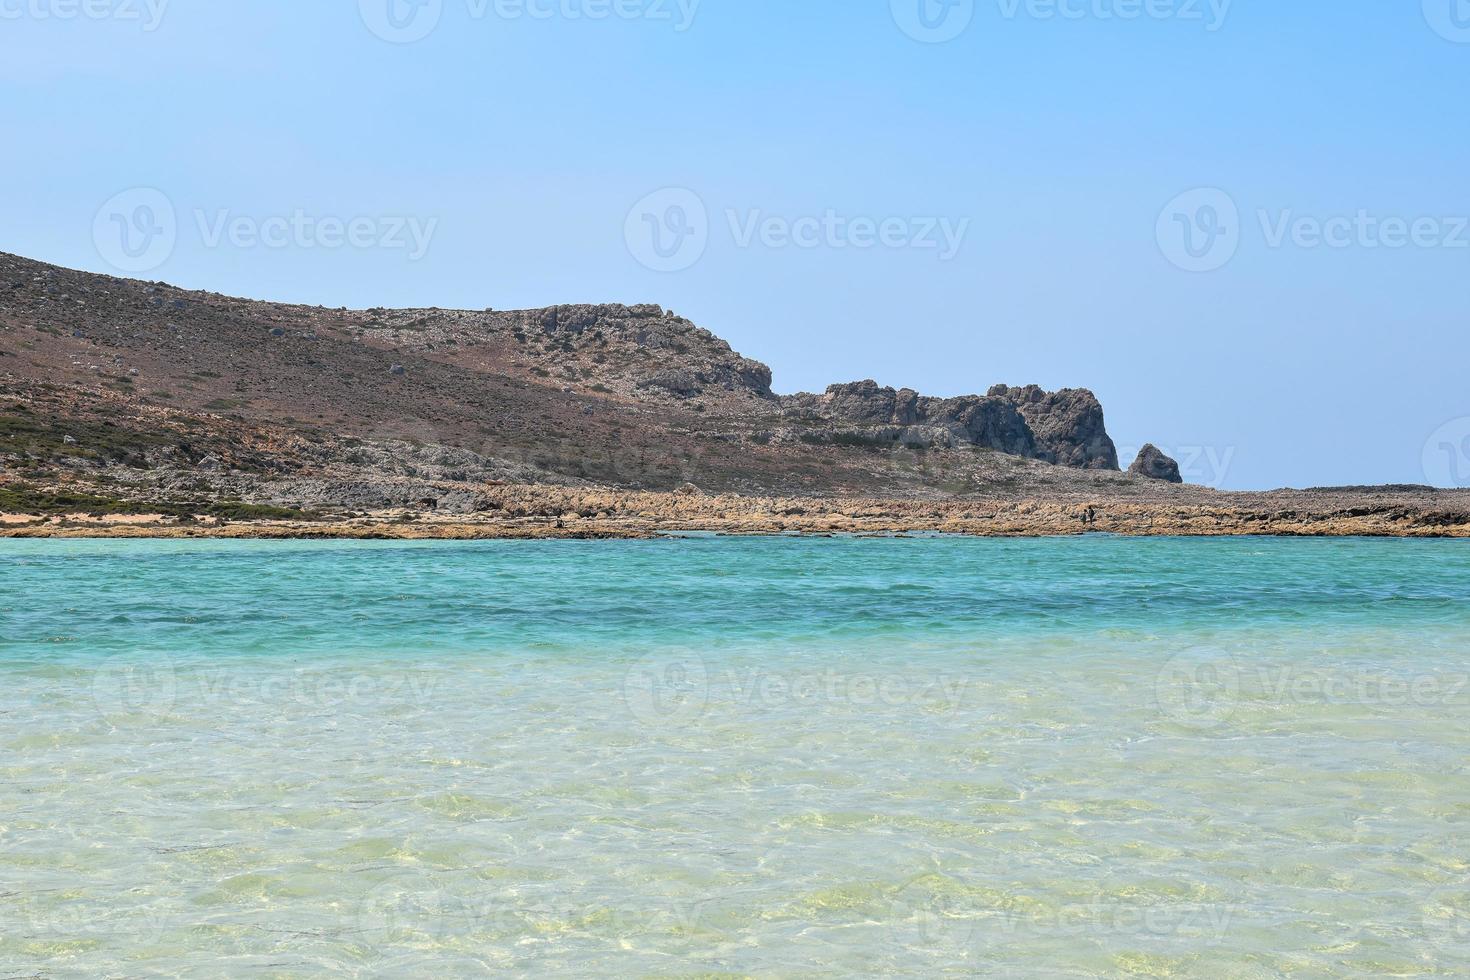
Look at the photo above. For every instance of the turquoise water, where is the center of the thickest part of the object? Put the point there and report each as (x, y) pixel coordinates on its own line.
(770, 757)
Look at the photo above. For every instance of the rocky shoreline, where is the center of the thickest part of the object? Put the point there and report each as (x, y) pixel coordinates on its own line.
(563, 513)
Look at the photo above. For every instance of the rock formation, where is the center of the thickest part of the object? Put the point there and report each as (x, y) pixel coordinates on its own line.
(1068, 425)
(655, 349)
(1064, 427)
(1152, 463)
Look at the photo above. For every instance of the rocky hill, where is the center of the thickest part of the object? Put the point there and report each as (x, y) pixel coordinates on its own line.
(153, 389)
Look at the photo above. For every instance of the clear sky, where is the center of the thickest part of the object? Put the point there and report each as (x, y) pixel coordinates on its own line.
(1242, 224)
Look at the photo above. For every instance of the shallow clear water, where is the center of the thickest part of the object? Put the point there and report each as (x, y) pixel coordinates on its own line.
(1083, 757)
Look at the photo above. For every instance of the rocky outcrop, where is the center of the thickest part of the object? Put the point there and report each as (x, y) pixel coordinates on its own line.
(620, 341)
(1068, 425)
(681, 384)
(1064, 427)
(641, 351)
(1152, 463)
(865, 403)
(989, 423)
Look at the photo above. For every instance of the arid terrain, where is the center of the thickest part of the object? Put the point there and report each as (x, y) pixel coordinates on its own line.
(137, 408)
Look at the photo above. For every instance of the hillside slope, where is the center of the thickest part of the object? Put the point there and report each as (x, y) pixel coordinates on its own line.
(147, 384)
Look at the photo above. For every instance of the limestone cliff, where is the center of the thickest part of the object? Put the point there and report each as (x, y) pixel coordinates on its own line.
(1064, 427)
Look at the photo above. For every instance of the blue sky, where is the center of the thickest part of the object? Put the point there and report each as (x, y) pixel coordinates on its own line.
(859, 198)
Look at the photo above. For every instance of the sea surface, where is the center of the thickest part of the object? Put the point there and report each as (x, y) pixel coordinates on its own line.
(710, 756)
